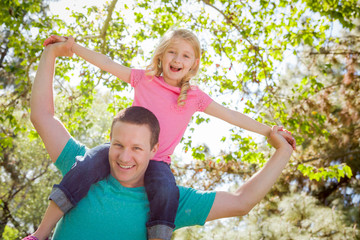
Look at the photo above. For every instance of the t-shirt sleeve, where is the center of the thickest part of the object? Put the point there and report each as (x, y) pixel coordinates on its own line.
(136, 76)
(67, 157)
(203, 101)
(194, 207)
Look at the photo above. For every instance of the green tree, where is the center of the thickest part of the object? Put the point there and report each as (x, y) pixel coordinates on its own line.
(324, 108)
(22, 163)
(244, 45)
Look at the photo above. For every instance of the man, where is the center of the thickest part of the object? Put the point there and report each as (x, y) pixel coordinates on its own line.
(117, 207)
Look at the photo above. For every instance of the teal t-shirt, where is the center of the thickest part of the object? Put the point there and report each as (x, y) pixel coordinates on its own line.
(111, 211)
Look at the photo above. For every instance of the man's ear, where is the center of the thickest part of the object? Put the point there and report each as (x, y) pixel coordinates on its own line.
(154, 150)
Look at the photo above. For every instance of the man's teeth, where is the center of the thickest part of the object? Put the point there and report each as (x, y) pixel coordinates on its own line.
(123, 166)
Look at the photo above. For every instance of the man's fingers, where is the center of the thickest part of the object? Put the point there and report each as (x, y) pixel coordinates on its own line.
(292, 142)
(288, 136)
(285, 134)
(287, 131)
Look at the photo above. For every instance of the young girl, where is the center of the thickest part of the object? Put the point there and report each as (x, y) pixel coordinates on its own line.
(163, 88)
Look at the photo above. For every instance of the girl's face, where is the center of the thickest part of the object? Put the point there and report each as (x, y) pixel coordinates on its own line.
(177, 60)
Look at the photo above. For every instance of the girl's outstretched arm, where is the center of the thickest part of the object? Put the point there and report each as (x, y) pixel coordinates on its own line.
(100, 60)
(241, 120)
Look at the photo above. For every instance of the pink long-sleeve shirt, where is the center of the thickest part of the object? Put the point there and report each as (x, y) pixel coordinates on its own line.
(160, 98)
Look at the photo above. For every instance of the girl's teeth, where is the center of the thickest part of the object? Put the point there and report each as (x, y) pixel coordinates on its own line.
(177, 69)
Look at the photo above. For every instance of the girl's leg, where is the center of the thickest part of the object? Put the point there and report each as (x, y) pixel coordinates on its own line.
(52, 215)
(89, 169)
(163, 195)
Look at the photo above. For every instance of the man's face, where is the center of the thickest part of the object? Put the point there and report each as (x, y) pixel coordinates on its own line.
(130, 152)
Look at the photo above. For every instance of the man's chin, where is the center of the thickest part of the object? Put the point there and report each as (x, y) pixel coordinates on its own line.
(128, 182)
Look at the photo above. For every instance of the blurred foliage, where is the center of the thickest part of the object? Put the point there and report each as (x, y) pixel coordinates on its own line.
(245, 46)
(290, 217)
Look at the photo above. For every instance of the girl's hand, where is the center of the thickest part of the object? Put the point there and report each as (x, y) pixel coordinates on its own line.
(277, 140)
(62, 46)
(54, 39)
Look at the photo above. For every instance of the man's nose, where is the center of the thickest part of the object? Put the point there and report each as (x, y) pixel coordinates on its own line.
(125, 156)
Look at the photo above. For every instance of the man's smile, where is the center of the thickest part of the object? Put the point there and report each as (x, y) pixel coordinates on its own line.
(125, 166)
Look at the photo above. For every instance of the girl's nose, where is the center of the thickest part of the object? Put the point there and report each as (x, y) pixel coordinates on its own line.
(176, 58)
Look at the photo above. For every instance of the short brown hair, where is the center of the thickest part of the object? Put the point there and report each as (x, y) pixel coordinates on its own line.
(139, 116)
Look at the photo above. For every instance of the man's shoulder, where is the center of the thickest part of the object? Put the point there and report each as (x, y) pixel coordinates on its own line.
(194, 206)
(68, 155)
(190, 194)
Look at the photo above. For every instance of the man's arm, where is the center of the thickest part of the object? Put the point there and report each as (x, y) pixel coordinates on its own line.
(51, 130)
(249, 194)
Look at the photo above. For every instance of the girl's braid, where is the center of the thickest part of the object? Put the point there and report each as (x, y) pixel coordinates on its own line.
(185, 86)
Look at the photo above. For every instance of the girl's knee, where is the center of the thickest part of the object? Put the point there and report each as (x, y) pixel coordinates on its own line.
(167, 190)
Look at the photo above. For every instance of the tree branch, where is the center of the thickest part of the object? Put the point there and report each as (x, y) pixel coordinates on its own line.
(106, 25)
(252, 47)
(104, 28)
(326, 157)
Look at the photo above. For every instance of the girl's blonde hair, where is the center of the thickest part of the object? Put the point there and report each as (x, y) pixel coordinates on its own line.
(155, 67)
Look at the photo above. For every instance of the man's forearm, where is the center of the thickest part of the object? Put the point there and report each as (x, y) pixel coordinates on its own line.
(228, 204)
(260, 183)
(41, 101)
(51, 130)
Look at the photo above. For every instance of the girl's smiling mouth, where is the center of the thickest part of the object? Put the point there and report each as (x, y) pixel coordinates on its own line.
(174, 69)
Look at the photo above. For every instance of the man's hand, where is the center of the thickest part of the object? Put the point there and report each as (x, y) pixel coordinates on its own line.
(280, 138)
(288, 137)
(228, 204)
